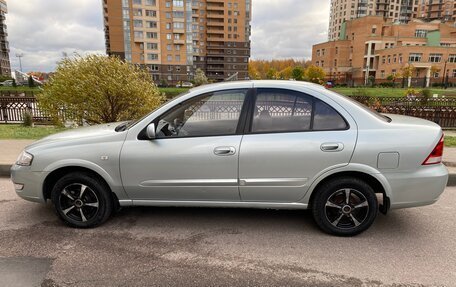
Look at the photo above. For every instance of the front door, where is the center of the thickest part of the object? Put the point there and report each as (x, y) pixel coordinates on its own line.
(293, 137)
(195, 155)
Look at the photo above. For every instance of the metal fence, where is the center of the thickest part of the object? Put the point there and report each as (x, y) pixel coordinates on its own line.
(439, 110)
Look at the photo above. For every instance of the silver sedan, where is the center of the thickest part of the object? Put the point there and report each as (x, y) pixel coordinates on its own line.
(253, 144)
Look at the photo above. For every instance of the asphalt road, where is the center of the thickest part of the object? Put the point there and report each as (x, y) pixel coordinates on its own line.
(224, 247)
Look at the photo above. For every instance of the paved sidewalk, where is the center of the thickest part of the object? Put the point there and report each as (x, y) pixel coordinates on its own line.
(9, 151)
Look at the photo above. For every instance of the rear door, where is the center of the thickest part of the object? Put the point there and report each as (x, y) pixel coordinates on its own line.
(291, 138)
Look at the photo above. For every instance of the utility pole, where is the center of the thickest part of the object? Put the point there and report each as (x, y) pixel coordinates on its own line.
(20, 60)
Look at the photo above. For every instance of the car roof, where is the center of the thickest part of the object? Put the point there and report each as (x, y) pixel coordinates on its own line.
(256, 83)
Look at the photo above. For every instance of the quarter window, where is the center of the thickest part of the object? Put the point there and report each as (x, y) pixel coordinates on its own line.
(326, 118)
(209, 115)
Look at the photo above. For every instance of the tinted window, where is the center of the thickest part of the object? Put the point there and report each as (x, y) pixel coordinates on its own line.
(326, 118)
(281, 110)
(213, 114)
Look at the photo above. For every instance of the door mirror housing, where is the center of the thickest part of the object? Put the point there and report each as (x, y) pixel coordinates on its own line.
(150, 131)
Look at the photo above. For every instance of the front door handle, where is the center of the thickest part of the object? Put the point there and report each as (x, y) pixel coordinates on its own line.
(224, 150)
(332, 147)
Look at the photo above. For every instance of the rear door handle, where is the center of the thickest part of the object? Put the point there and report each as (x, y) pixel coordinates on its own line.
(332, 147)
(224, 150)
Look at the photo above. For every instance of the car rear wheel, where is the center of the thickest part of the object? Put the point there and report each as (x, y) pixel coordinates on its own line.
(82, 200)
(345, 206)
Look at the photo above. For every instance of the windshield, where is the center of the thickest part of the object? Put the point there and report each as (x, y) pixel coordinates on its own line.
(129, 124)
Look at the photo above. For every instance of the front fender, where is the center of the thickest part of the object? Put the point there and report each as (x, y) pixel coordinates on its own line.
(114, 183)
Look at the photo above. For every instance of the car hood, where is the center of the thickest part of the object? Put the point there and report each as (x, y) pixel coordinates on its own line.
(79, 134)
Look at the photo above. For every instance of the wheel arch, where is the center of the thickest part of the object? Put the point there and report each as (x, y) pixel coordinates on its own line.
(52, 178)
(376, 180)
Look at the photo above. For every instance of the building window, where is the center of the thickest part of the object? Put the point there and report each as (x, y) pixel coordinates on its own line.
(137, 12)
(415, 57)
(400, 58)
(419, 33)
(152, 46)
(152, 57)
(454, 73)
(169, 58)
(151, 35)
(151, 13)
(178, 3)
(383, 74)
(178, 25)
(435, 58)
(151, 2)
(178, 58)
(151, 24)
(337, 50)
(137, 2)
(139, 34)
(318, 53)
(169, 47)
(138, 23)
(452, 58)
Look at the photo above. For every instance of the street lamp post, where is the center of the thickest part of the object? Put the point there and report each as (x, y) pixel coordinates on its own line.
(20, 60)
(444, 84)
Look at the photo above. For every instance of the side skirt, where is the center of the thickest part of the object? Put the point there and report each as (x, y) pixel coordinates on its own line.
(217, 204)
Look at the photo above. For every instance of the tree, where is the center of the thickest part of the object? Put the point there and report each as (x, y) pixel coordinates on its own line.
(272, 74)
(200, 78)
(31, 82)
(315, 74)
(99, 89)
(297, 73)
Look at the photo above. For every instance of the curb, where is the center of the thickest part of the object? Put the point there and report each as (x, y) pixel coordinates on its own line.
(5, 172)
(449, 163)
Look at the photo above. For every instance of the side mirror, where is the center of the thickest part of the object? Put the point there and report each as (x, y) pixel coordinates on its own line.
(150, 131)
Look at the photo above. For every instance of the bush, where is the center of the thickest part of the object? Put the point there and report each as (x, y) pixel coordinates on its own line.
(27, 119)
(99, 89)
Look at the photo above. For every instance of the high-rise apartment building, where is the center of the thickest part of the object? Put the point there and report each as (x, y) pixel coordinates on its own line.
(172, 38)
(437, 10)
(5, 67)
(396, 11)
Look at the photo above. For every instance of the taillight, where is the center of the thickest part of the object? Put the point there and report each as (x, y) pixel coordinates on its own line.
(436, 155)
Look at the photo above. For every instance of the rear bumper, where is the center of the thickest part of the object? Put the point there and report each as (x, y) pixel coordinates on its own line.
(32, 182)
(421, 187)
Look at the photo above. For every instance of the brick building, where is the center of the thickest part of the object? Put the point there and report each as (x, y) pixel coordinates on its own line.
(172, 38)
(397, 11)
(374, 48)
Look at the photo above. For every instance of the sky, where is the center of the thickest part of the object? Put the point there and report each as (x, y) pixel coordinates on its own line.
(43, 30)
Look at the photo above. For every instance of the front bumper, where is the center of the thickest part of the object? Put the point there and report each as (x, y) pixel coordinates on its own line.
(418, 188)
(32, 182)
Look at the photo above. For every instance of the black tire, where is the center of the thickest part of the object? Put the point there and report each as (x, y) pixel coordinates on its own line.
(332, 213)
(92, 209)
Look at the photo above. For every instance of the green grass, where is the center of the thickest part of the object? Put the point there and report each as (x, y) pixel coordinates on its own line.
(172, 92)
(390, 92)
(19, 89)
(450, 141)
(33, 133)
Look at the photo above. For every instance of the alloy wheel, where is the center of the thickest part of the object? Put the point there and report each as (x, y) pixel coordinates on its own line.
(78, 202)
(346, 208)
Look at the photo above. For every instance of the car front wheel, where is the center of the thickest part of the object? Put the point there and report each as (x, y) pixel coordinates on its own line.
(82, 200)
(345, 206)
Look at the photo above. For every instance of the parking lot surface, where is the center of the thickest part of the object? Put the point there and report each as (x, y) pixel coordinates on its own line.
(224, 247)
